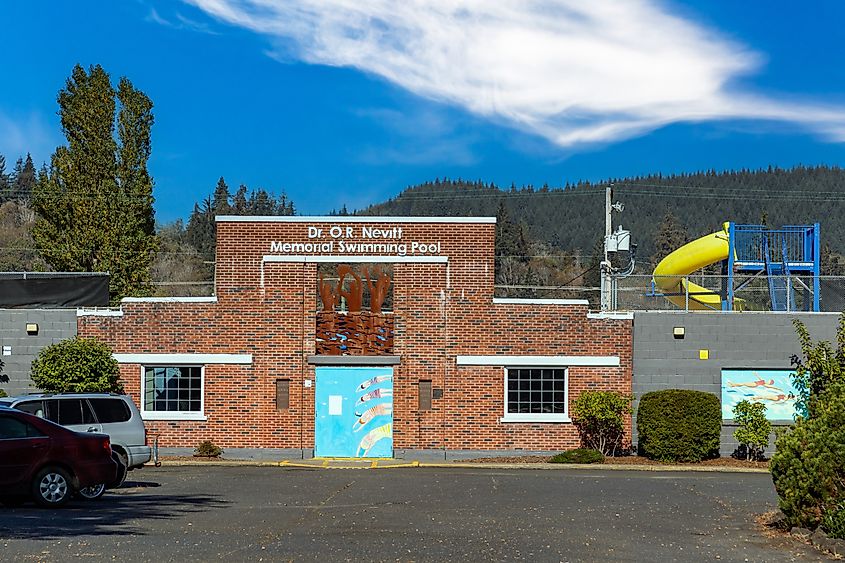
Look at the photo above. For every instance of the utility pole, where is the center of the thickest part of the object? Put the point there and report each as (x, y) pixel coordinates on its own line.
(613, 242)
(605, 265)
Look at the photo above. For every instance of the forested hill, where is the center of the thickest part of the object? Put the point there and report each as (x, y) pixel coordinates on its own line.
(572, 217)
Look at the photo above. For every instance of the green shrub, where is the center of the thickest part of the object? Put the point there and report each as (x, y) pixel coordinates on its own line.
(820, 366)
(76, 365)
(808, 466)
(3, 393)
(207, 449)
(600, 418)
(581, 455)
(754, 429)
(679, 425)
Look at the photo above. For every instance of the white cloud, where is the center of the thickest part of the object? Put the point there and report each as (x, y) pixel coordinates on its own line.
(572, 71)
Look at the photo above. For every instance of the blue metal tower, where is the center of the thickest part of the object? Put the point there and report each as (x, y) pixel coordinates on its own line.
(782, 255)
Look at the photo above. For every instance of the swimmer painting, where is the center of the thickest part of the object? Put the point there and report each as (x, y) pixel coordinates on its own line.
(773, 388)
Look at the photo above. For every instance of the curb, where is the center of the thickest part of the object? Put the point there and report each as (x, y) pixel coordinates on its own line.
(380, 464)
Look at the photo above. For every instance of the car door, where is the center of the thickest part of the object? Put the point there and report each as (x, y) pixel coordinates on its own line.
(75, 413)
(21, 447)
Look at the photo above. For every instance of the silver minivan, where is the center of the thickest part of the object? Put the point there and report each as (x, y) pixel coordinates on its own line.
(105, 413)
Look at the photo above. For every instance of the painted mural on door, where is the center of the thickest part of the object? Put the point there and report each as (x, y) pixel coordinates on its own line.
(354, 412)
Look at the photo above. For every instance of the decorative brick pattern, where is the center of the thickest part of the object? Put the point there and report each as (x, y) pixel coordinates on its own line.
(440, 311)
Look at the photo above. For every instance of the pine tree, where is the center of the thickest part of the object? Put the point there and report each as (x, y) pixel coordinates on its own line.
(670, 236)
(24, 179)
(5, 181)
(94, 202)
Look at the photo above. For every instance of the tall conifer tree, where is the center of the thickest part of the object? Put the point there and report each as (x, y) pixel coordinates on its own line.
(94, 202)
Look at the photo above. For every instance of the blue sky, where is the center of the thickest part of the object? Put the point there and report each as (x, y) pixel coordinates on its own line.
(336, 104)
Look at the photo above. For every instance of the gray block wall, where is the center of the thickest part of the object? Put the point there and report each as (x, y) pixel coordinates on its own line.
(54, 325)
(733, 340)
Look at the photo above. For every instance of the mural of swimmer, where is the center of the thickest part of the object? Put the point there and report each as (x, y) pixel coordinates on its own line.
(771, 387)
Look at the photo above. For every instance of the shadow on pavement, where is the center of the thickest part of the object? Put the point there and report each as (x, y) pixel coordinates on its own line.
(117, 513)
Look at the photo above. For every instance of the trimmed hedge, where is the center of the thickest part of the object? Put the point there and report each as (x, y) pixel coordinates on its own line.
(581, 455)
(679, 425)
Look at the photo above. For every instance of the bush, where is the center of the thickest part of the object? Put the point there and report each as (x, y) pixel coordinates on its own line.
(753, 431)
(207, 449)
(808, 466)
(3, 393)
(679, 425)
(600, 418)
(76, 365)
(581, 455)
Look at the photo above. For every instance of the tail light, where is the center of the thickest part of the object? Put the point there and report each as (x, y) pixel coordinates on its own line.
(107, 445)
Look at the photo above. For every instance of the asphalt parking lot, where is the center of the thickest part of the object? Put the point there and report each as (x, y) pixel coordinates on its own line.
(414, 514)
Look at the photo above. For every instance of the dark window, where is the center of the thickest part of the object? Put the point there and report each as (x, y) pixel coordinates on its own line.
(425, 395)
(282, 394)
(75, 411)
(536, 391)
(173, 389)
(12, 428)
(32, 407)
(110, 410)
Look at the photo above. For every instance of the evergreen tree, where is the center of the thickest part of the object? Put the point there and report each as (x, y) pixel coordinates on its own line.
(94, 202)
(670, 236)
(5, 181)
(25, 178)
(220, 200)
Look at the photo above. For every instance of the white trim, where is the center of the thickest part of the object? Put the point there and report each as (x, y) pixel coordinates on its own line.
(173, 415)
(616, 315)
(169, 300)
(355, 259)
(545, 418)
(347, 219)
(99, 313)
(182, 359)
(537, 361)
(153, 415)
(535, 417)
(527, 301)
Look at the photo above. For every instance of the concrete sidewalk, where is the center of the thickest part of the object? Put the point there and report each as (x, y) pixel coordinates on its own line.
(318, 463)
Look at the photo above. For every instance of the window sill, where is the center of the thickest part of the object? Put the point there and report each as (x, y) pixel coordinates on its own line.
(536, 418)
(173, 416)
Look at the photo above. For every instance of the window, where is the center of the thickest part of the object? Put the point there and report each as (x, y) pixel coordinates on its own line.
(32, 407)
(172, 393)
(110, 410)
(536, 394)
(74, 412)
(12, 428)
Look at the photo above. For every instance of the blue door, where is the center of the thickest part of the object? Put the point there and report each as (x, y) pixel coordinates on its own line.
(354, 412)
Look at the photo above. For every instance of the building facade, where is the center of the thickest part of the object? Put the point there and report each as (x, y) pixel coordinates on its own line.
(362, 337)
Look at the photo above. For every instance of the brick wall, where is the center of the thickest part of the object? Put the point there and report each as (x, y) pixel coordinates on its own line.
(442, 310)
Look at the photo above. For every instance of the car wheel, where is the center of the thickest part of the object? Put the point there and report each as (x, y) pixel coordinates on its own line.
(122, 468)
(93, 492)
(51, 487)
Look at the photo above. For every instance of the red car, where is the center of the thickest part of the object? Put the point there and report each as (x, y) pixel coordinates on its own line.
(48, 462)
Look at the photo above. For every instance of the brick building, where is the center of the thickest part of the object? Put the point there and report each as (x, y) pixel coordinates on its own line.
(361, 336)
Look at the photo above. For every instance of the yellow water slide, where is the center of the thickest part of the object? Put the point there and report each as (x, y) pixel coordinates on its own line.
(669, 273)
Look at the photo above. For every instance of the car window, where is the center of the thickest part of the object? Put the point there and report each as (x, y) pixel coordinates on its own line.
(11, 428)
(52, 410)
(74, 411)
(110, 410)
(32, 407)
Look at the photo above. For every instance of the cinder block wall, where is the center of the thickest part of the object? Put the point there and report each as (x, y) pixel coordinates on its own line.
(733, 340)
(54, 325)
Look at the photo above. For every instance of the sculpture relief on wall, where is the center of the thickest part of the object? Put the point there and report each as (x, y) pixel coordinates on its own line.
(360, 328)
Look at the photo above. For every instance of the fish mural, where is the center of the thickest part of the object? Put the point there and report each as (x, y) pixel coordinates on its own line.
(772, 388)
(381, 409)
(374, 394)
(373, 437)
(373, 381)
